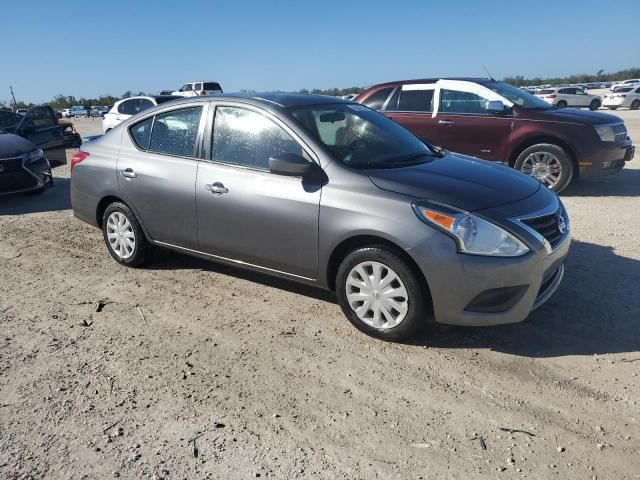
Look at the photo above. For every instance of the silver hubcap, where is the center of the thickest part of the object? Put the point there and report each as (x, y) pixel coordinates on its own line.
(377, 295)
(120, 234)
(543, 166)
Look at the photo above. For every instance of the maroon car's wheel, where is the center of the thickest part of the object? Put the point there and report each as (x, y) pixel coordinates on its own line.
(548, 163)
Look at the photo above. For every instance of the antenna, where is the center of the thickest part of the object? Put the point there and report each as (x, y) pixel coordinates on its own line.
(490, 76)
(14, 97)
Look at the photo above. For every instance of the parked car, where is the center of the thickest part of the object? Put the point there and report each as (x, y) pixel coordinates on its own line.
(21, 111)
(562, 97)
(27, 143)
(125, 109)
(625, 83)
(496, 121)
(624, 97)
(99, 111)
(195, 89)
(329, 193)
(66, 113)
(77, 111)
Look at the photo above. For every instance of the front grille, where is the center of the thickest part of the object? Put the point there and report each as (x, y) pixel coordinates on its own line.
(620, 132)
(10, 165)
(15, 182)
(548, 226)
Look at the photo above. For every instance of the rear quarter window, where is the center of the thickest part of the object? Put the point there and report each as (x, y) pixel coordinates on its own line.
(141, 133)
(212, 86)
(377, 99)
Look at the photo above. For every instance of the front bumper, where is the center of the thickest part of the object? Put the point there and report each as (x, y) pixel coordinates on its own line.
(17, 176)
(457, 280)
(607, 159)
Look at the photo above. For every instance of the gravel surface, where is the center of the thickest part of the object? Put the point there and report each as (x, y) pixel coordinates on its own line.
(275, 383)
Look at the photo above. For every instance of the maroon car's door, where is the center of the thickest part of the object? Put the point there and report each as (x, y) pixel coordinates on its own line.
(411, 106)
(465, 126)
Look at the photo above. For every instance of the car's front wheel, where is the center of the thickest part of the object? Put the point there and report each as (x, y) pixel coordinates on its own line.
(594, 105)
(123, 235)
(548, 163)
(635, 105)
(380, 293)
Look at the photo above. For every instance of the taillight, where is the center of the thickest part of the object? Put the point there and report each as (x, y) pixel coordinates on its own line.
(624, 95)
(551, 96)
(203, 92)
(76, 159)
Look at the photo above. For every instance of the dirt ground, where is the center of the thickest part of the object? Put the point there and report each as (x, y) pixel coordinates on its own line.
(275, 383)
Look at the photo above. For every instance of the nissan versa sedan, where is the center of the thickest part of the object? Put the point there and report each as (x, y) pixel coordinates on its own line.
(330, 193)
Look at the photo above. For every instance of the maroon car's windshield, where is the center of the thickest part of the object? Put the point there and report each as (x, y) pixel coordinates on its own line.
(518, 96)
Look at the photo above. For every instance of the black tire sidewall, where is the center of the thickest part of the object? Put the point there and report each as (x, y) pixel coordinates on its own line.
(596, 103)
(635, 105)
(141, 247)
(561, 104)
(562, 156)
(417, 313)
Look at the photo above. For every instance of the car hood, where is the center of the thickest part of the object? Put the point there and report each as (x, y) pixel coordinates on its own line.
(457, 180)
(12, 145)
(576, 115)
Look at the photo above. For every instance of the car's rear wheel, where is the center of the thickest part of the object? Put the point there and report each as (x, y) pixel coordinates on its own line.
(123, 235)
(548, 163)
(561, 104)
(635, 105)
(594, 105)
(380, 294)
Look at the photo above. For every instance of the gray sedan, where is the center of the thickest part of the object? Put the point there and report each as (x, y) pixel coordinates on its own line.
(330, 193)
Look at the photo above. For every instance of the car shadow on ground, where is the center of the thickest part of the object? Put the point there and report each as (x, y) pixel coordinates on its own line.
(53, 198)
(625, 183)
(596, 310)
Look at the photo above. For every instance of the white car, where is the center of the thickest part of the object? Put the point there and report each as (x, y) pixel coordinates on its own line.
(628, 96)
(66, 113)
(625, 83)
(126, 108)
(563, 97)
(195, 89)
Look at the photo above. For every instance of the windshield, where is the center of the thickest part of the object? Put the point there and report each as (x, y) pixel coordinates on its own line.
(360, 137)
(518, 96)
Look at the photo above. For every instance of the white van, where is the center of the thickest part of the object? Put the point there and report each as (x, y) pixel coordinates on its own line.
(195, 89)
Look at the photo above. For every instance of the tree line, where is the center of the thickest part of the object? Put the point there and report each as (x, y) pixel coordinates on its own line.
(60, 102)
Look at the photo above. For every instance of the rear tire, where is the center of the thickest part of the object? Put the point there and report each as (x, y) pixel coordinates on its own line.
(561, 104)
(123, 235)
(550, 160)
(594, 105)
(394, 310)
(635, 105)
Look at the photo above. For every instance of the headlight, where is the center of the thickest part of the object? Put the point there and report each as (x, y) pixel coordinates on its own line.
(34, 156)
(605, 133)
(474, 235)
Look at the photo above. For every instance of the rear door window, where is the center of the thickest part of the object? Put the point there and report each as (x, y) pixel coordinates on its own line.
(212, 86)
(454, 101)
(128, 107)
(175, 132)
(377, 99)
(247, 138)
(413, 99)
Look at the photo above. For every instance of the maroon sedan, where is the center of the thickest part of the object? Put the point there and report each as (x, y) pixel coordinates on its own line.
(498, 122)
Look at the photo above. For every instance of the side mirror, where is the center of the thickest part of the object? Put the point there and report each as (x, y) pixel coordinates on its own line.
(290, 164)
(496, 106)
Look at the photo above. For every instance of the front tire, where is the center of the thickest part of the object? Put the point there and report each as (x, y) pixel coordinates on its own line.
(123, 235)
(380, 294)
(635, 105)
(548, 163)
(594, 105)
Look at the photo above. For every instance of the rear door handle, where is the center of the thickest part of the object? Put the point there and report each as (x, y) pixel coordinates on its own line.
(216, 188)
(128, 173)
(446, 122)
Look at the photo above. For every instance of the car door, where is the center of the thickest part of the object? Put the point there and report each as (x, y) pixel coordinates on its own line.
(156, 171)
(247, 214)
(582, 99)
(40, 126)
(411, 106)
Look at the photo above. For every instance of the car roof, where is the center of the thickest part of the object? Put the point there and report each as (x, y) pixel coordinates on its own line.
(271, 99)
(435, 79)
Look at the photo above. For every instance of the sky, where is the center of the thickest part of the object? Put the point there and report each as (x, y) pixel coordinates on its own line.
(87, 48)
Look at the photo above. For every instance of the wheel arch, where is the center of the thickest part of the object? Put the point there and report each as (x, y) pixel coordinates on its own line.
(531, 141)
(108, 200)
(350, 244)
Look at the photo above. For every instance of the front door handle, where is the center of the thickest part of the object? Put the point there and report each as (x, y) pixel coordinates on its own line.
(128, 173)
(216, 188)
(446, 122)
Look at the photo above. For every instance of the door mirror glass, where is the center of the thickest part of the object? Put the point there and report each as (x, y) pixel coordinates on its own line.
(495, 106)
(290, 164)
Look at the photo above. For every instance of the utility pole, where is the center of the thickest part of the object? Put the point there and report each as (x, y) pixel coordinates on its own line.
(15, 104)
